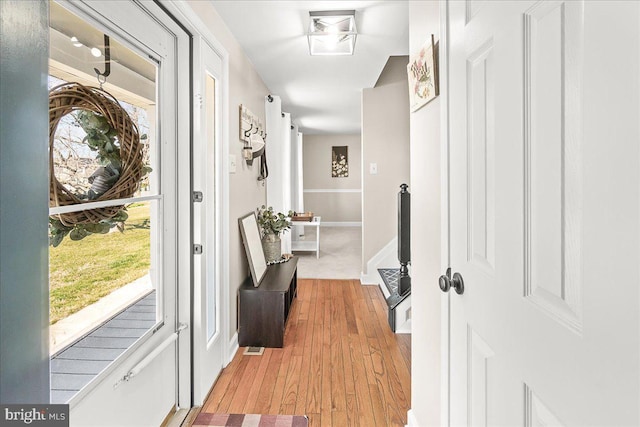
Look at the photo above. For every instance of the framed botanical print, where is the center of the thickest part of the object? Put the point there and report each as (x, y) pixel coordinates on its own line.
(340, 161)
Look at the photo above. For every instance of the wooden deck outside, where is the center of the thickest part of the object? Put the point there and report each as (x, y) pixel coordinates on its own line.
(73, 367)
(341, 364)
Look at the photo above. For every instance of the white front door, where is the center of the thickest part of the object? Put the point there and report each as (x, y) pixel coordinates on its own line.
(544, 211)
(210, 220)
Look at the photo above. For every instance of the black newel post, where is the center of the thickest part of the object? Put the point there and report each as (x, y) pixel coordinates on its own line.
(404, 239)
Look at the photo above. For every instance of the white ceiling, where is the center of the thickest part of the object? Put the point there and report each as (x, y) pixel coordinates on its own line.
(322, 93)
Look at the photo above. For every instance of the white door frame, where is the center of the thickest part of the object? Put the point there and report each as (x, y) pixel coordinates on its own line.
(201, 33)
(445, 253)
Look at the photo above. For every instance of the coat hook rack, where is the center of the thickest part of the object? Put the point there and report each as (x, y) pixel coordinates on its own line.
(250, 125)
(247, 133)
(102, 77)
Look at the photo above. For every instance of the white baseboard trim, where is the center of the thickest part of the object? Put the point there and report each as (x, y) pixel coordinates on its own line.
(411, 419)
(385, 258)
(368, 279)
(233, 347)
(332, 190)
(405, 328)
(341, 224)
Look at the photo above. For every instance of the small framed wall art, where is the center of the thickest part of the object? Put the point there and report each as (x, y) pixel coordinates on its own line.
(422, 72)
(340, 161)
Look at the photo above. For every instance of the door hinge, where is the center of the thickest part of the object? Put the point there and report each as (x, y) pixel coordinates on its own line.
(197, 249)
(197, 197)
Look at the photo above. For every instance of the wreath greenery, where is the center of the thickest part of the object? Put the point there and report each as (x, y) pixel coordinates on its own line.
(114, 137)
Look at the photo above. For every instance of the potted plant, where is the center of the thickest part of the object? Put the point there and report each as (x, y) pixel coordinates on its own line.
(271, 225)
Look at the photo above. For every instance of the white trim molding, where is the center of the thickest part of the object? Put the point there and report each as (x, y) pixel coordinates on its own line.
(332, 190)
(233, 348)
(339, 224)
(411, 419)
(385, 258)
(200, 31)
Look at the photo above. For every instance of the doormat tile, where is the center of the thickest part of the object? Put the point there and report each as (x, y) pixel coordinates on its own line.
(390, 278)
(249, 420)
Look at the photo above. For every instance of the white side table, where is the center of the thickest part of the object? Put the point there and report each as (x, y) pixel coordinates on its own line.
(303, 246)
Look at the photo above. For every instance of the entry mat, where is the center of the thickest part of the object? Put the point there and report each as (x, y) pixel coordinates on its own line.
(249, 420)
(390, 278)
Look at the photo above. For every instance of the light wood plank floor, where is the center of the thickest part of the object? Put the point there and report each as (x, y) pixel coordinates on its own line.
(341, 364)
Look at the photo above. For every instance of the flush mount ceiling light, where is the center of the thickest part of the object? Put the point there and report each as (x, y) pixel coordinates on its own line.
(332, 32)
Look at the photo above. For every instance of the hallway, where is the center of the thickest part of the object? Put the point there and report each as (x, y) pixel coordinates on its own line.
(340, 255)
(341, 364)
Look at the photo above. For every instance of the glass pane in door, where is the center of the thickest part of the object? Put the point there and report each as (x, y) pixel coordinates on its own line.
(105, 290)
(212, 295)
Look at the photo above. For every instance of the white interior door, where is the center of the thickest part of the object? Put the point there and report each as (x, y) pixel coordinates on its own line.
(544, 209)
(209, 221)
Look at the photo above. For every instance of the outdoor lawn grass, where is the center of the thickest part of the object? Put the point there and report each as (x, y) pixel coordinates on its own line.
(81, 272)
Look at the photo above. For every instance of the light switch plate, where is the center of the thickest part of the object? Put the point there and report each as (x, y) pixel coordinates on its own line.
(373, 168)
(232, 163)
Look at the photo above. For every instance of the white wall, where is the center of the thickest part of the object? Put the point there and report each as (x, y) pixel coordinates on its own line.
(334, 199)
(425, 234)
(245, 192)
(385, 141)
